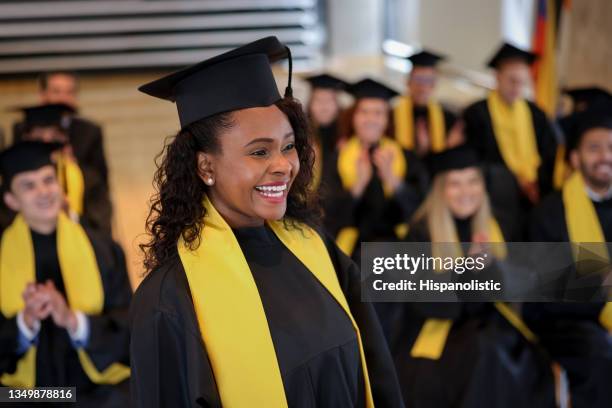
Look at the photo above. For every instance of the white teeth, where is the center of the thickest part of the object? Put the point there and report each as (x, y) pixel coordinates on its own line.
(272, 188)
(272, 191)
(276, 195)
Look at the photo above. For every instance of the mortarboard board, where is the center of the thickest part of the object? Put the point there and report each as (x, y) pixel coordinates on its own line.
(46, 115)
(577, 124)
(425, 59)
(583, 98)
(510, 52)
(238, 79)
(457, 158)
(326, 81)
(24, 156)
(368, 88)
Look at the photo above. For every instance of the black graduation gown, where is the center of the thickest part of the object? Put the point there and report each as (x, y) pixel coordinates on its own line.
(373, 214)
(327, 137)
(503, 188)
(571, 331)
(486, 362)
(87, 144)
(314, 341)
(57, 362)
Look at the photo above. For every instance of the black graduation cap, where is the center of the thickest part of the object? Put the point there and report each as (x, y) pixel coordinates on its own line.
(577, 124)
(25, 156)
(510, 52)
(46, 115)
(326, 81)
(425, 59)
(456, 158)
(583, 98)
(368, 88)
(237, 79)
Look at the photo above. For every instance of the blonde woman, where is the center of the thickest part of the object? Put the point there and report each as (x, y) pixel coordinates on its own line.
(463, 354)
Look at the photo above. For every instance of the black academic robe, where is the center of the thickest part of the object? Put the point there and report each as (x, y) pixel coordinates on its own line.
(326, 139)
(373, 214)
(57, 362)
(503, 187)
(486, 362)
(571, 331)
(314, 341)
(87, 144)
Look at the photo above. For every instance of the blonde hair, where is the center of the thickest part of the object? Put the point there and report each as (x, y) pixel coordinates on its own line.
(438, 216)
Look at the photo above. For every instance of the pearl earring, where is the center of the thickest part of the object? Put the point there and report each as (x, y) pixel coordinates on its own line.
(209, 181)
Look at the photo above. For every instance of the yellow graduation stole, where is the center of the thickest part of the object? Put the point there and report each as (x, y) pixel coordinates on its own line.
(562, 169)
(404, 124)
(228, 306)
(347, 169)
(71, 179)
(434, 333)
(82, 281)
(583, 226)
(349, 154)
(515, 136)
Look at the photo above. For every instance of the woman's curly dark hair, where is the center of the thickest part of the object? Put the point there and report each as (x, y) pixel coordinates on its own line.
(176, 207)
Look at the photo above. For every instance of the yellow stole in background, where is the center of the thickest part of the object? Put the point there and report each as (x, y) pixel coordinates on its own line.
(515, 136)
(229, 309)
(432, 338)
(583, 226)
(404, 124)
(349, 154)
(71, 179)
(82, 281)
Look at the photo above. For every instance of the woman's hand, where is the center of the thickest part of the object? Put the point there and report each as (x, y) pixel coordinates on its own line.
(364, 174)
(383, 160)
(481, 246)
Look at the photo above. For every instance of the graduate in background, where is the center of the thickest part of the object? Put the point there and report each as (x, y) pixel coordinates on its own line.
(245, 304)
(64, 290)
(582, 99)
(578, 334)
(377, 185)
(463, 354)
(87, 196)
(85, 137)
(323, 111)
(422, 124)
(512, 136)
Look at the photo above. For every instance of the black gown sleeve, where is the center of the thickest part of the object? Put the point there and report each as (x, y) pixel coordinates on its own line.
(8, 344)
(547, 148)
(547, 220)
(338, 204)
(477, 126)
(383, 379)
(449, 120)
(170, 366)
(109, 336)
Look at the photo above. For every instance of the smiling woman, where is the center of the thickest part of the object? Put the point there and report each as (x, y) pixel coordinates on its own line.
(245, 303)
(234, 158)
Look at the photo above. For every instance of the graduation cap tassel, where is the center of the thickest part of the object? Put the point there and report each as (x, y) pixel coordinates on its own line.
(288, 89)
